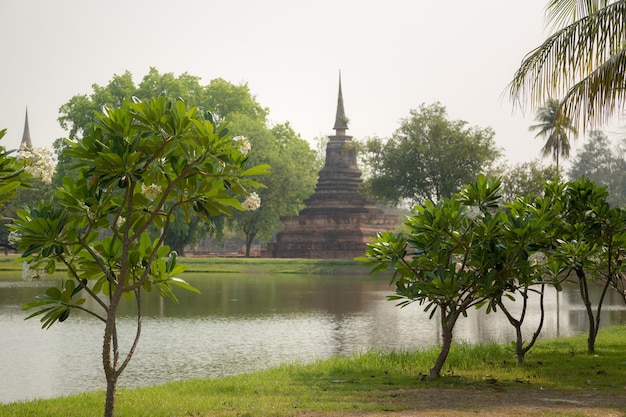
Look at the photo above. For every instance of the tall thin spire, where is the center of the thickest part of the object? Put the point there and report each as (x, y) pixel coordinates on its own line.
(341, 121)
(26, 141)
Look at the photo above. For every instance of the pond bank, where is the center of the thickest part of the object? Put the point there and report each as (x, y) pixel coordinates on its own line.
(559, 378)
(248, 265)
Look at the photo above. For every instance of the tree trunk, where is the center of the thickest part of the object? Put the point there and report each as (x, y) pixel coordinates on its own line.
(249, 239)
(517, 324)
(584, 295)
(447, 325)
(109, 403)
(110, 355)
(591, 342)
(179, 248)
(520, 349)
(113, 367)
(110, 365)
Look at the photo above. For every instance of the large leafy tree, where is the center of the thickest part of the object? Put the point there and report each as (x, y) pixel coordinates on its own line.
(583, 61)
(555, 128)
(246, 117)
(523, 179)
(223, 99)
(602, 163)
(137, 165)
(291, 181)
(78, 115)
(220, 97)
(428, 157)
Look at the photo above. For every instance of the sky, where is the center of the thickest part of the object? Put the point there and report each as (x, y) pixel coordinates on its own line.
(393, 57)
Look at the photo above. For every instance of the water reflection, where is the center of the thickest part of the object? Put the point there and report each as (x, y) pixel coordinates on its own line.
(241, 324)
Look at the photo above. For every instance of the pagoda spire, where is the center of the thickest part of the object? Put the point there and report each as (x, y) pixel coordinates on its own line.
(341, 121)
(27, 143)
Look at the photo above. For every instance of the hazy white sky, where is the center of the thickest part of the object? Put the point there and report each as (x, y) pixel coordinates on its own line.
(393, 56)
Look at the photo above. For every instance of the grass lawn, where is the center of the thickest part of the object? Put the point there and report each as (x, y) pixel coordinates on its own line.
(242, 265)
(558, 379)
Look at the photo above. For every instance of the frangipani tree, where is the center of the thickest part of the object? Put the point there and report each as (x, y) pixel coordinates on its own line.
(139, 164)
(527, 244)
(443, 261)
(462, 253)
(591, 245)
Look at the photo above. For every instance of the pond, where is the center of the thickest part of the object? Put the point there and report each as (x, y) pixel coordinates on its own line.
(239, 324)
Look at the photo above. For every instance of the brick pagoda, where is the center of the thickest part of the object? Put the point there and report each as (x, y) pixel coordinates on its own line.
(338, 221)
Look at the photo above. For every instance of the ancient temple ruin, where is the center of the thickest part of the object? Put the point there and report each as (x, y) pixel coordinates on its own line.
(338, 221)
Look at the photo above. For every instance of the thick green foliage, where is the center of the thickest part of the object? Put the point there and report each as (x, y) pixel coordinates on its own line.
(603, 163)
(12, 175)
(293, 175)
(427, 157)
(140, 164)
(467, 251)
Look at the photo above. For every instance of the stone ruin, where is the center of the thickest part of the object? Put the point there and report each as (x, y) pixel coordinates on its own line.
(338, 221)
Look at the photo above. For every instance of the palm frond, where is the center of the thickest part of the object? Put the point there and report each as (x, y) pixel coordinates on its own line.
(560, 13)
(570, 56)
(593, 100)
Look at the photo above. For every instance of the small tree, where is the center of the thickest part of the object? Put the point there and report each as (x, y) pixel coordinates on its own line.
(591, 244)
(467, 252)
(527, 238)
(137, 165)
(446, 258)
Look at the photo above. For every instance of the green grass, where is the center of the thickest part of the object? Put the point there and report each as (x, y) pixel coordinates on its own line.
(361, 382)
(240, 265)
(273, 265)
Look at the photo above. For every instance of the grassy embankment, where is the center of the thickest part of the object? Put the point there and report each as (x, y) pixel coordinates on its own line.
(375, 383)
(246, 265)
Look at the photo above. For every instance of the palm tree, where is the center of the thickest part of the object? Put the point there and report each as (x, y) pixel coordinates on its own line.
(583, 61)
(555, 128)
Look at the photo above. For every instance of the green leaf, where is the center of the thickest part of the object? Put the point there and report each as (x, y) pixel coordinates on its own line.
(34, 304)
(183, 284)
(9, 187)
(257, 170)
(54, 293)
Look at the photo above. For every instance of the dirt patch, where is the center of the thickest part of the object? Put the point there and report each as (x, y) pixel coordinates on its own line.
(489, 402)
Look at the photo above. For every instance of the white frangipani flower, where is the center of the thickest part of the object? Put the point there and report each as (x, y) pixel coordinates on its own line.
(13, 238)
(473, 212)
(39, 162)
(152, 191)
(243, 144)
(590, 213)
(121, 221)
(537, 258)
(29, 274)
(252, 202)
